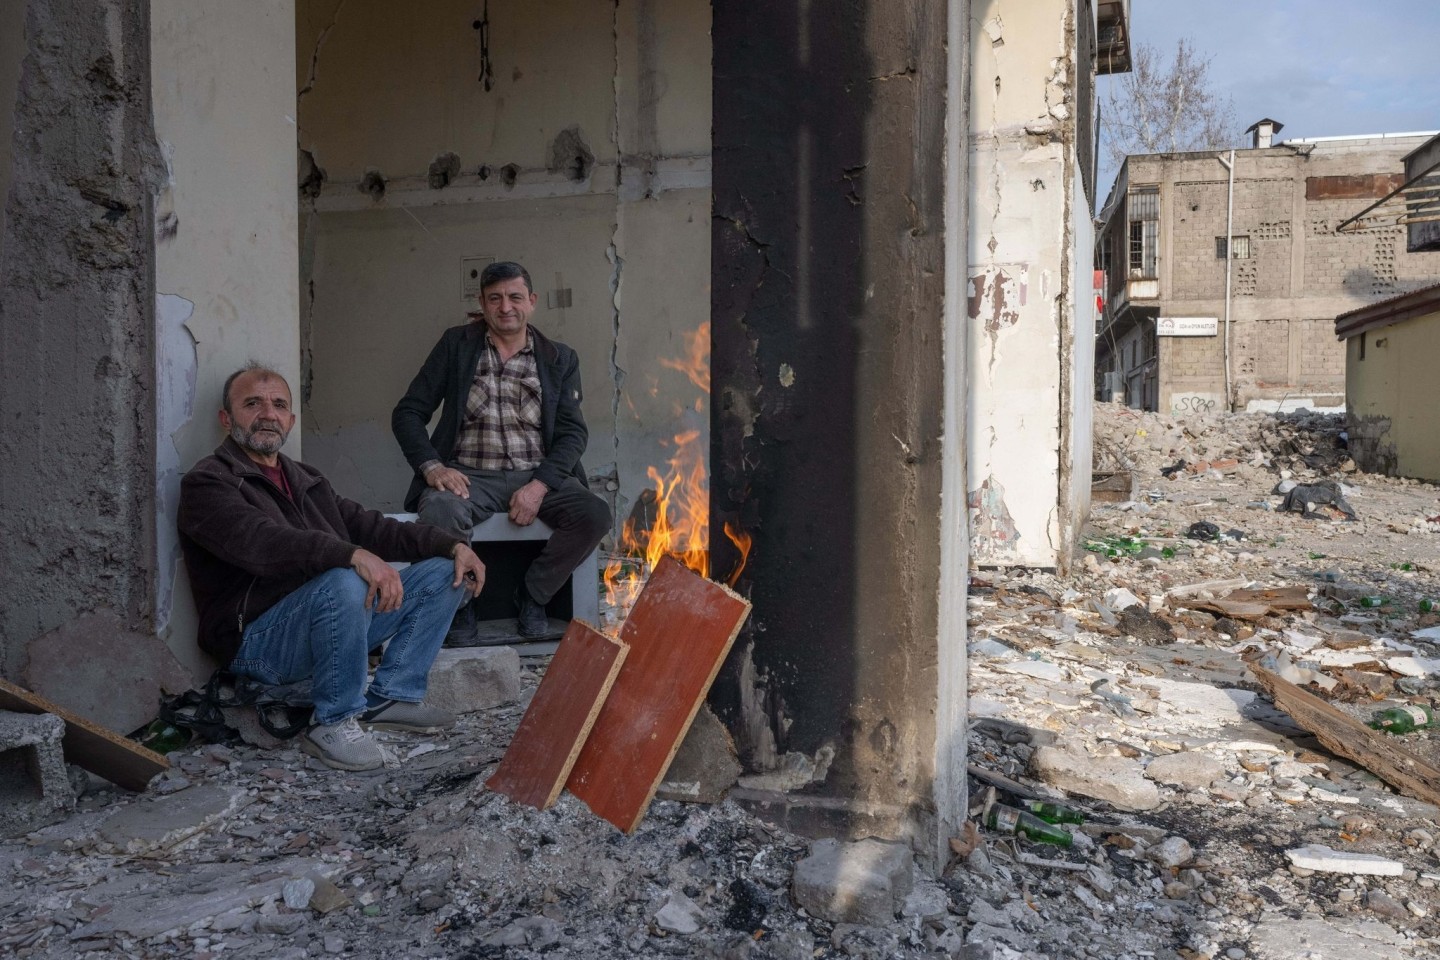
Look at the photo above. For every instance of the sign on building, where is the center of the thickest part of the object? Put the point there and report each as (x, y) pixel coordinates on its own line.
(1187, 327)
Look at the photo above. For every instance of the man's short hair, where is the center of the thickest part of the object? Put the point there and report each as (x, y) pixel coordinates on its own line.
(502, 271)
(254, 366)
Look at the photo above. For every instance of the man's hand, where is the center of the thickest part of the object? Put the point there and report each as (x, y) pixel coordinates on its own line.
(468, 570)
(386, 591)
(448, 479)
(525, 502)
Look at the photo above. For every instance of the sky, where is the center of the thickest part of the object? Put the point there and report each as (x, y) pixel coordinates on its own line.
(1324, 68)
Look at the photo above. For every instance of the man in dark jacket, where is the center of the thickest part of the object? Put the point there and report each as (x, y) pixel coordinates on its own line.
(509, 438)
(291, 580)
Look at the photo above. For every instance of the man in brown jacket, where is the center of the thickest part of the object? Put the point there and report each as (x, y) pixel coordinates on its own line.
(292, 580)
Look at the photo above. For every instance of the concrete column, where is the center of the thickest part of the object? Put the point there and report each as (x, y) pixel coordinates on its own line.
(829, 437)
(77, 514)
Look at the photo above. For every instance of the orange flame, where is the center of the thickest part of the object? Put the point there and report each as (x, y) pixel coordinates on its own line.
(681, 496)
(697, 365)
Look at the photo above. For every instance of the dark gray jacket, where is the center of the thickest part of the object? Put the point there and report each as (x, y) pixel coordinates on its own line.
(445, 379)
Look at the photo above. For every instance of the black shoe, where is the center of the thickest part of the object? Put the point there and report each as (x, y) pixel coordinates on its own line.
(462, 628)
(530, 620)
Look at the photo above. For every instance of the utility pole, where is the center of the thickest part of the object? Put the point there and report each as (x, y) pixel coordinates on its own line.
(1229, 257)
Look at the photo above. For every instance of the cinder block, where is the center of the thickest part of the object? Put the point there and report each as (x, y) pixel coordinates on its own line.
(34, 787)
(474, 678)
(864, 882)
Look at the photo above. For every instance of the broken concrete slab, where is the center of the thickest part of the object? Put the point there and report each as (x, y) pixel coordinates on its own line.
(474, 678)
(1116, 780)
(153, 825)
(1188, 768)
(1322, 859)
(76, 666)
(865, 882)
(559, 718)
(179, 905)
(246, 722)
(705, 766)
(1280, 938)
(35, 789)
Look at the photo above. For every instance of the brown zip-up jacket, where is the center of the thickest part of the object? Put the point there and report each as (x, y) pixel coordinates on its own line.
(247, 545)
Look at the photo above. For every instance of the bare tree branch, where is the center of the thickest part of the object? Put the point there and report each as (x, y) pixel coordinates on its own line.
(1166, 107)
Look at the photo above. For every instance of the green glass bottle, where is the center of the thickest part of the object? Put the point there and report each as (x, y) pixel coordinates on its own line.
(1404, 719)
(1053, 812)
(1372, 602)
(161, 737)
(1429, 606)
(1022, 823)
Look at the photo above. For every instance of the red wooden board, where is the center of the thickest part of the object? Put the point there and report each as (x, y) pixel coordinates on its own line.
(89, 745)
(559, 717)
(678, 633)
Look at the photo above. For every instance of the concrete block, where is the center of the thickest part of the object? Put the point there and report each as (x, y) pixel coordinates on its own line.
(474, 678)
(1323, 859)
(1188, 768)
(705, 766)
(154, 825)
(35, 788)
(1114, 779)
(864, 882)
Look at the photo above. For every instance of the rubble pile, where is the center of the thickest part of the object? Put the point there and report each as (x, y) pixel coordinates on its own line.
(1216, 825)
(1303, 443)
(1128, 693)
(243, 852)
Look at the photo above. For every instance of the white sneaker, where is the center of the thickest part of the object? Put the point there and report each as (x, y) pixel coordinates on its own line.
(343, 746)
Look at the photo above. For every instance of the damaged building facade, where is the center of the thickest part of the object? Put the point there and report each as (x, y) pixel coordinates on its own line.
(315, 184)
(1030, 307)
(1165, 250)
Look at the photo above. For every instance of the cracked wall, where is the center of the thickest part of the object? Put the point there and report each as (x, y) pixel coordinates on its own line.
(225, 242)
(77, 502)
(588, 160)
(1030, 329)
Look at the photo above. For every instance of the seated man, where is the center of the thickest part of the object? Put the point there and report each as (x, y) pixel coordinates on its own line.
(291, 580)
(509, 439)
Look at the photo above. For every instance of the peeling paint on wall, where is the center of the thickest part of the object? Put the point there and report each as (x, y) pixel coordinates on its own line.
(175, 366)
(996, 296)
(992, 528)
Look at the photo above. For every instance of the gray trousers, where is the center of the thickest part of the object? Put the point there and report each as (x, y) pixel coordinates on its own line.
(578, 518)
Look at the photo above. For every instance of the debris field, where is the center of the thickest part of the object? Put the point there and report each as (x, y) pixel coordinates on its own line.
(1215, 823)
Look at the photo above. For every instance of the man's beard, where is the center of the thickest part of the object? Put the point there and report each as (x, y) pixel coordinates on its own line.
(267, 444)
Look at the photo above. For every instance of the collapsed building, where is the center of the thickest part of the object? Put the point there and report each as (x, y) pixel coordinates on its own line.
(872, 222)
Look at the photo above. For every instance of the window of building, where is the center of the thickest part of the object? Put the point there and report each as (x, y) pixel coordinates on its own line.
(1143, 213)
(1362, 346)
(1241, 244)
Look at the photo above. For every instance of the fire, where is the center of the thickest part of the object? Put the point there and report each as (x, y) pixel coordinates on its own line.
(680, 498)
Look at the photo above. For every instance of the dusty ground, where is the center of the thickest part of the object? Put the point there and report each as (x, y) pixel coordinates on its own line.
(1199, 785)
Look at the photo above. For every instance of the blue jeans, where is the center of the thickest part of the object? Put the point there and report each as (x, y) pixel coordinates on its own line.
(324, 631)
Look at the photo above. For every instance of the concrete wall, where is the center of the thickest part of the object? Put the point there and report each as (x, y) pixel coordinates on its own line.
(829, 441)
(1028, 428)
(1299, 276)
(1390, 398)
(624, 234)
(226, 274)
(77, 491)
(12, 54)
